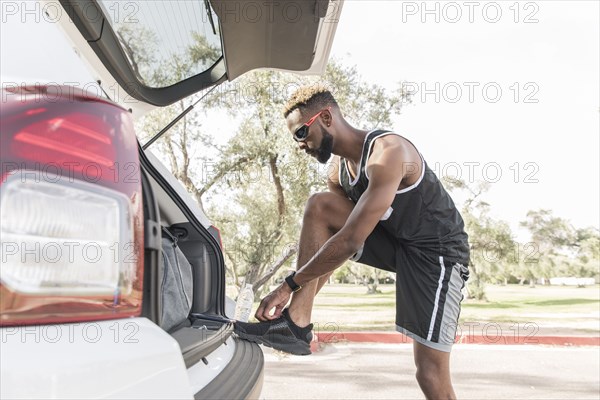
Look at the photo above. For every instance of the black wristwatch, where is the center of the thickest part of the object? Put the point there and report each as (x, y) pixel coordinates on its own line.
(291, 283)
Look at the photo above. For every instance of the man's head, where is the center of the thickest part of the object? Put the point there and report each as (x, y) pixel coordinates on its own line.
(309, 114)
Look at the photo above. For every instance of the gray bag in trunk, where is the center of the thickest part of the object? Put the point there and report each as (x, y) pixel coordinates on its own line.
(176, 284)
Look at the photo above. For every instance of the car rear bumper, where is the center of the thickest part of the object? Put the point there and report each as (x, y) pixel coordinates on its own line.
(125, 358)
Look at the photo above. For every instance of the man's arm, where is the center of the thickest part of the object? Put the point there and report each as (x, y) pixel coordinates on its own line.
(386, 172)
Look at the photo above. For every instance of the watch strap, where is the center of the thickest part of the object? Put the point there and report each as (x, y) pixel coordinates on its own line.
(292, 283)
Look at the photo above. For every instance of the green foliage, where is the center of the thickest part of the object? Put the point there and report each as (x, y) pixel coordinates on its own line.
(491, 241)
(365, 105)
(563, 249)
(139, 43)
(555, 249)
(135, 40)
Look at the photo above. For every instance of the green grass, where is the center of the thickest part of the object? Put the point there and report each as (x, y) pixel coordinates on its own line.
(562, 302)
(555, 309)
(361, 306)
(490, 305)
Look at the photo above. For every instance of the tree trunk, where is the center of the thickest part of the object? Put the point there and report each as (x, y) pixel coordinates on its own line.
(475, 286)
(372, 287)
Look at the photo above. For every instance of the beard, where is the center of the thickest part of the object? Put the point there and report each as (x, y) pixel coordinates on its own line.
(323, 153)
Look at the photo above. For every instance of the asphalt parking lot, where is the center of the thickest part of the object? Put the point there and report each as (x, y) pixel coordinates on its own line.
(386, 371)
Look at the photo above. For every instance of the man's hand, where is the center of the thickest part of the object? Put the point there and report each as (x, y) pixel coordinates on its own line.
(277, 299)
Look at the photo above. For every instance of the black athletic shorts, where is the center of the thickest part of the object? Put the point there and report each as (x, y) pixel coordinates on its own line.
(428, 293)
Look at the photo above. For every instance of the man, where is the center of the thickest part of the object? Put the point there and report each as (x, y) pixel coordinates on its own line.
(384, 208)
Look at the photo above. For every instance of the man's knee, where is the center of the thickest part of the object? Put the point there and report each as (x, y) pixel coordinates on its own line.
(319, 205)
(428, 374)
(327, 209)
(432, 371)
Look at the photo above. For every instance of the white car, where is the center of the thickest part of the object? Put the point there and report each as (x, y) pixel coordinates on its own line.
(82, 289)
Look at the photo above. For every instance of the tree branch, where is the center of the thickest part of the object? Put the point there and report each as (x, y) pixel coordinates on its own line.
(290, 251)
(221, 173)
(234, 268)
(171, 154)
(277, 181)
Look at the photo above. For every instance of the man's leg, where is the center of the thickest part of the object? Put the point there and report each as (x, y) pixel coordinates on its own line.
(325, 214)
(433, 372)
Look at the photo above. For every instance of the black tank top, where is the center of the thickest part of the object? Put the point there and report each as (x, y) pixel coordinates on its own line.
(422, 217)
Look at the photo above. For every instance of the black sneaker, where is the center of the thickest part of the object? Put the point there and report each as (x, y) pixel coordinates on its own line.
(281, 334)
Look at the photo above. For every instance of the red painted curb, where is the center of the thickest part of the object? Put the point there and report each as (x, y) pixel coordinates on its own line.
(396, 337)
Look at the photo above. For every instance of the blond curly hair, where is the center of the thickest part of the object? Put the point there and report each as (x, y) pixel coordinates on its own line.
(309, 98)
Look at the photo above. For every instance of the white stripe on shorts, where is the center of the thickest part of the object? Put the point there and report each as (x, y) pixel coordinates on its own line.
(437, 298)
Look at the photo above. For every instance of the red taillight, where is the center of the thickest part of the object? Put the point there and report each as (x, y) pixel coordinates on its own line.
(68, 141)
(71, 219)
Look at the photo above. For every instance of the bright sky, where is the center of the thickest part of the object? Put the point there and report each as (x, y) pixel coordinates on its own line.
(506, 91)
(547, 152)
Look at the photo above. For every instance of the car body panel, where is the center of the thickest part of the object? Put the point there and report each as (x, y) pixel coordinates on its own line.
(202, 374)
(127, 358)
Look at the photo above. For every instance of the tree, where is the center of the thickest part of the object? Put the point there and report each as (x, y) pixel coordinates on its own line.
(587, 256)
(491, 242)
(139, 43)
(361, 274)
(562, 248)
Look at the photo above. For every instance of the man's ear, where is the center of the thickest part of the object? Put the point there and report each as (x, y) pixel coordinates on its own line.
(327, 117)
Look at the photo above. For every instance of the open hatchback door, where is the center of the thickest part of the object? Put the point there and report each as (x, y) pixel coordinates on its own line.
(158, 52)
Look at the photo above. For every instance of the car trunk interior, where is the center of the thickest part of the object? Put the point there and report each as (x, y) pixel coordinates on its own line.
(207, 327)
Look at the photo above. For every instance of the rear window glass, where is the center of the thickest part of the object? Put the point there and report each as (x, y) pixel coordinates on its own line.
(166, 41)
